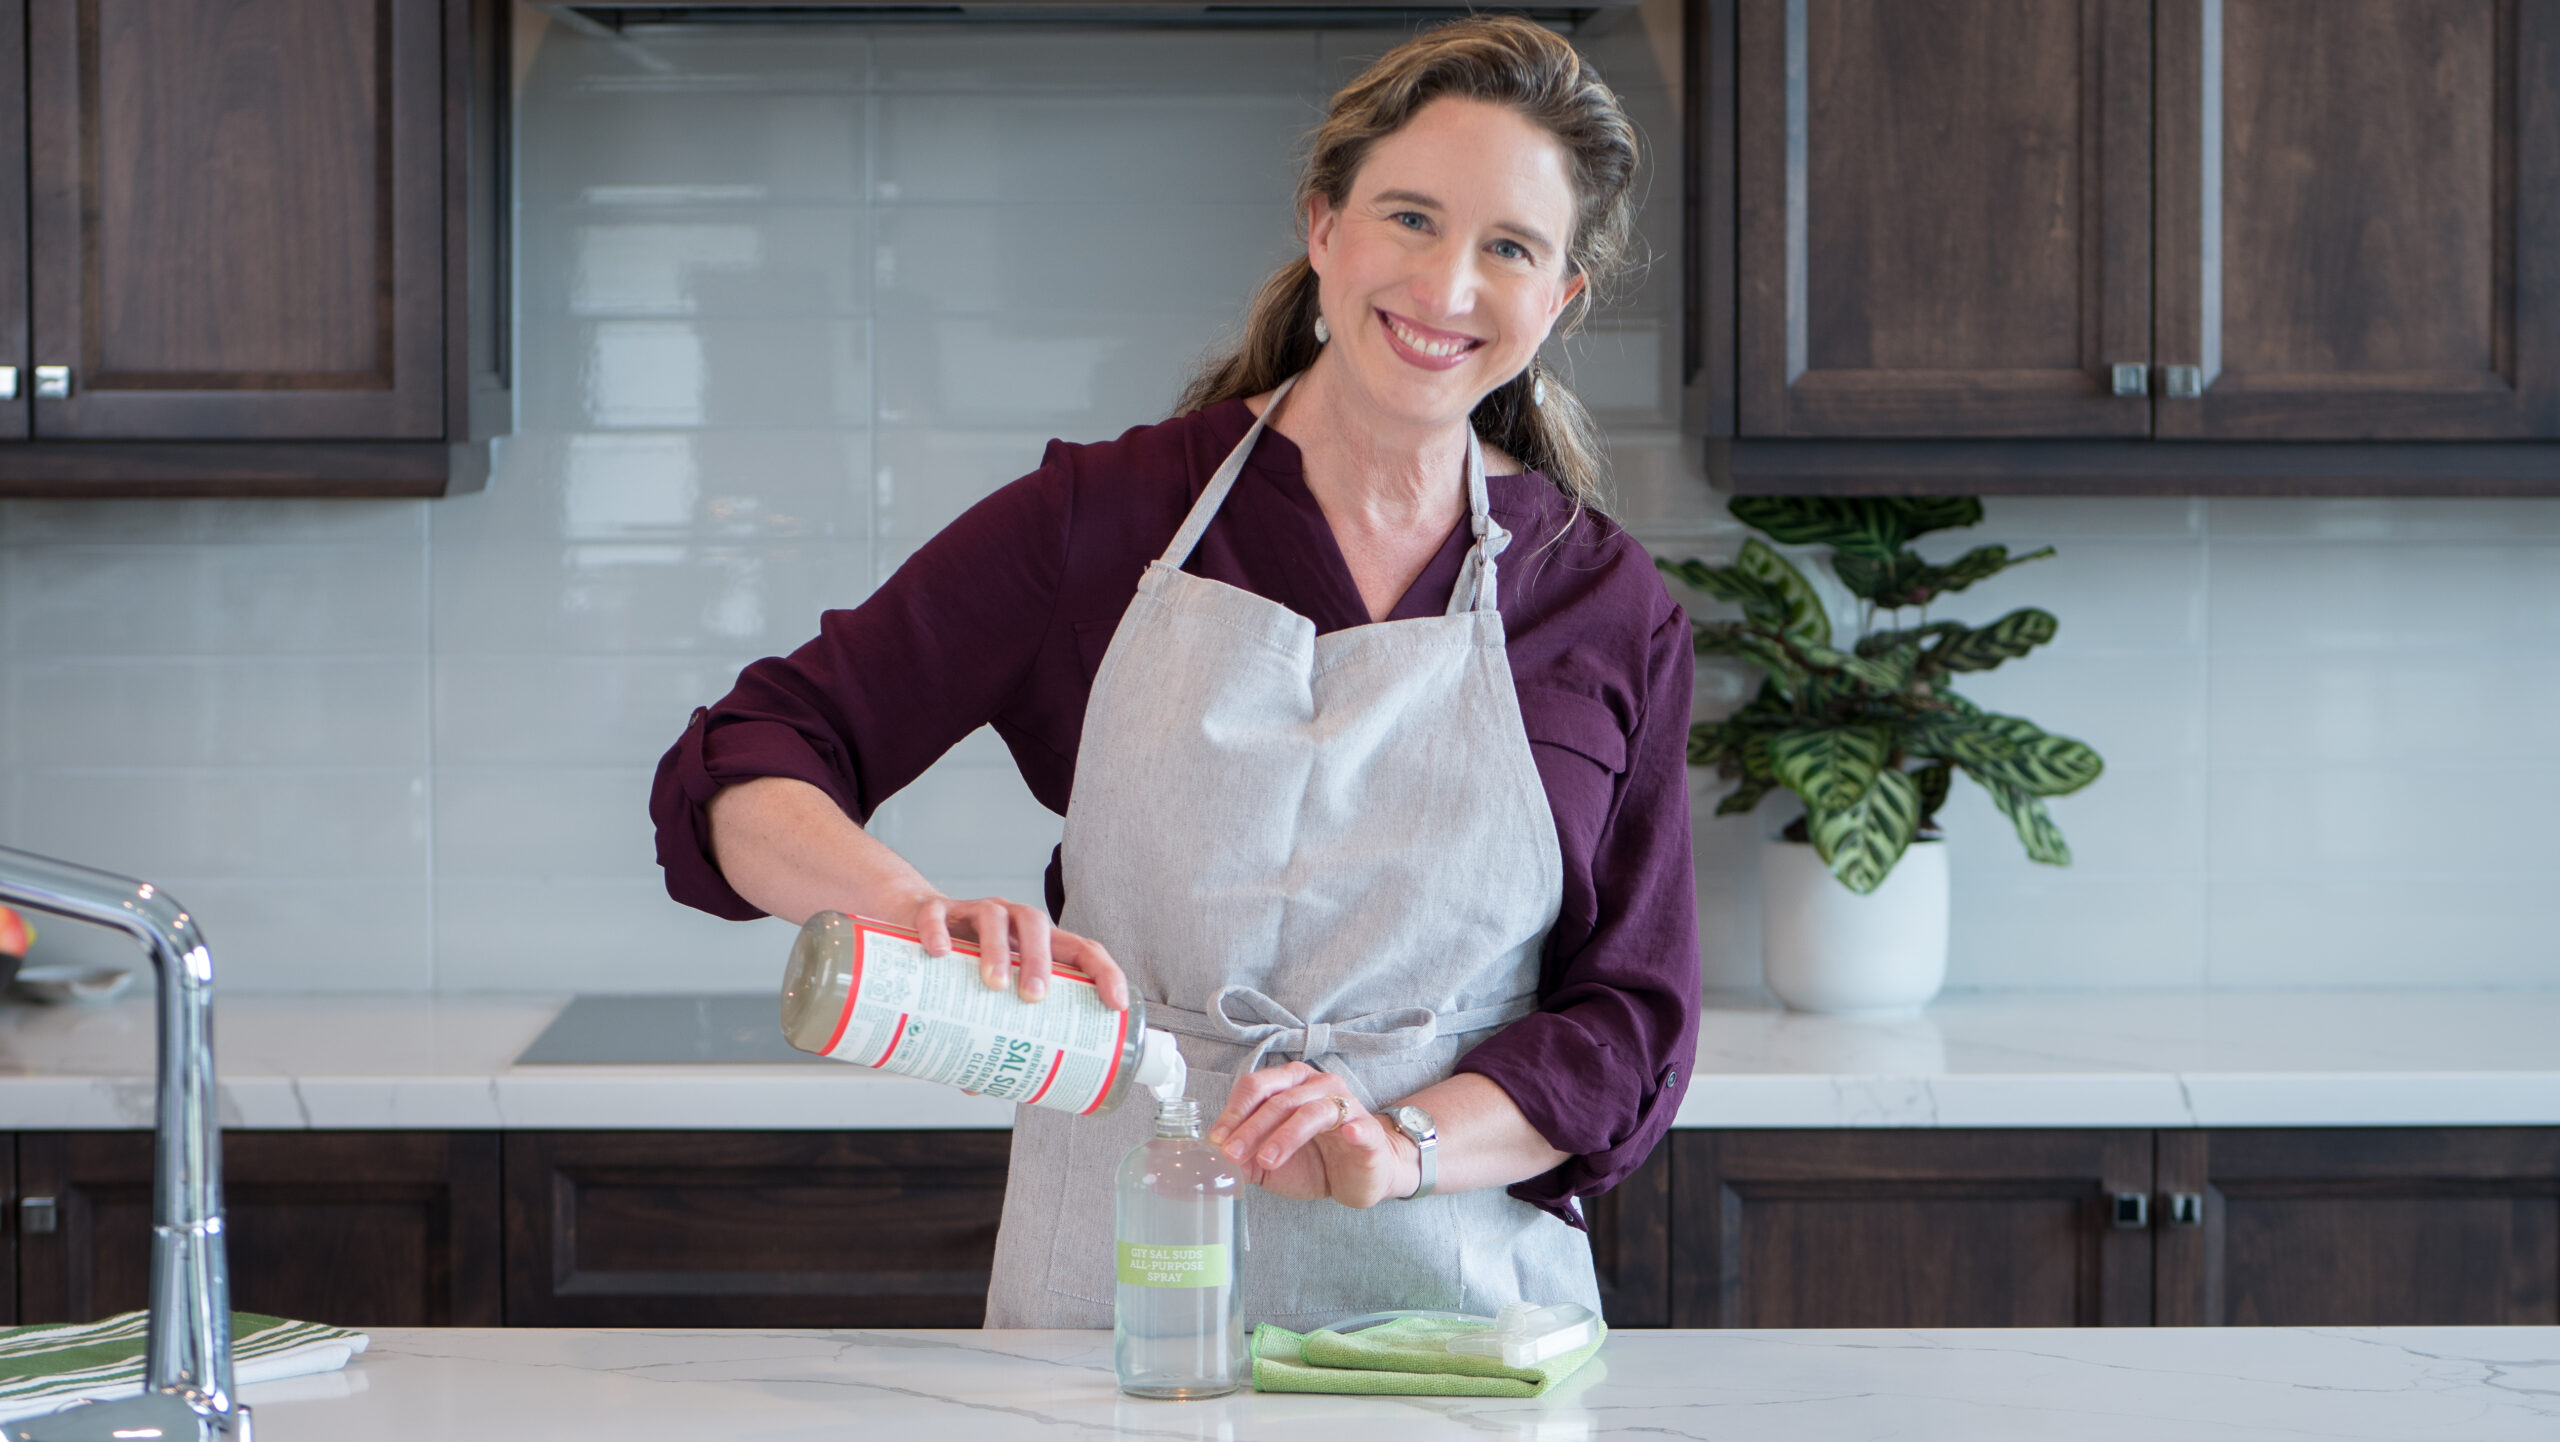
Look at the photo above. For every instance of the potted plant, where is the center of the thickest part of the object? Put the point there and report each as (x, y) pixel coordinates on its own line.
(1869, 736)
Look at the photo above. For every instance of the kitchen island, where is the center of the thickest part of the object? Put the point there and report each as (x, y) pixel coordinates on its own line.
(2100, 1385)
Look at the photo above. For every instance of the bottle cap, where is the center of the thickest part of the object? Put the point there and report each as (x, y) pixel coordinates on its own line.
(1160, 1066)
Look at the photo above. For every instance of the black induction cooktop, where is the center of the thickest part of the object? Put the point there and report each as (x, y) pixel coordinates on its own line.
(660, 1030)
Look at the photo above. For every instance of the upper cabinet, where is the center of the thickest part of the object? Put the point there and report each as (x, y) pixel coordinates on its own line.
(262, 244)
(2046, 237)
(1945, 217)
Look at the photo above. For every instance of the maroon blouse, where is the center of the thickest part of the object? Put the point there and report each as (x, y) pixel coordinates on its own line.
(1003, 618)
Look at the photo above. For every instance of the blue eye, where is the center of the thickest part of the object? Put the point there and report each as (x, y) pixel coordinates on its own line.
(1420, 221)
(1513, 250)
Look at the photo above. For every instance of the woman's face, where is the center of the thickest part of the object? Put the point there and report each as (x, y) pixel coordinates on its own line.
(1444, 269)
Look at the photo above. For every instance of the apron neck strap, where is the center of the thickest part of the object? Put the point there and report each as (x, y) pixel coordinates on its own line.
(1475, 590)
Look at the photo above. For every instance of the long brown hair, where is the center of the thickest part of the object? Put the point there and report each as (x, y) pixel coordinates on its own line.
(1506, 61)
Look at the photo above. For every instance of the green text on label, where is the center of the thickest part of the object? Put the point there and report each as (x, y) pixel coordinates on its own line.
(1201, 1266)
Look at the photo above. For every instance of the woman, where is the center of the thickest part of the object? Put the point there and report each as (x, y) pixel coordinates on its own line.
(1393, 834)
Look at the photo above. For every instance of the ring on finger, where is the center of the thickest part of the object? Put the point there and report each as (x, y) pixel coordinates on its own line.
(1341, 1114)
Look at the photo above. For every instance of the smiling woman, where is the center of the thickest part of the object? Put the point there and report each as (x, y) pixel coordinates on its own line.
(1351, 784)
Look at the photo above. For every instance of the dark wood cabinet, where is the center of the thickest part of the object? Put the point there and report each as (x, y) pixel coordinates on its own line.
(752, 1229)
(2399, 1227)
(2450, 1226)
(2359, 219)
(1631, 1245)
(2120, 245)
(1908, 1229)
(2444, 1226)
(1946, 217)
(261, 244)
(359, 1228)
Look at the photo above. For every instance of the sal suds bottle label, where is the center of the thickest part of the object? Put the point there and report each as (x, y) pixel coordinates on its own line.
(865, 992)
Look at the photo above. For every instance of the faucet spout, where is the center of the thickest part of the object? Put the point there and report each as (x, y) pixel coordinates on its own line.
(187, 1369)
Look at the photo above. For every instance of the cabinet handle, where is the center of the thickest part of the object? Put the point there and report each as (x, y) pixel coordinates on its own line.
(2131, 1209)
(2179, 383)
(2132, 378)
(53, 383)
(2186, 1209)
(37, 1216)
(8, 383)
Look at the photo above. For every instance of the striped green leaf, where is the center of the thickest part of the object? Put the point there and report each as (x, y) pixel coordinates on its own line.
(1806, 621)
(2006, 639)
(1754, 756)
(1884, 580)
(2027, 813)
(1868, 526)
(1710, 742)
(1762, 601)
(1911, 638)
(1831, 767)
(1961, 739)
(1773, 661)
(2039, 763)
(1890, 672)
(1979, 564)
(1861, 843)
(1744, 797)
(1933, 782)
(1903, 579)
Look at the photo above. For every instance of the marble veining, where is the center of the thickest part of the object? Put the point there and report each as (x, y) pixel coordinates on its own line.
(2094, 1385)
(1985, 1059)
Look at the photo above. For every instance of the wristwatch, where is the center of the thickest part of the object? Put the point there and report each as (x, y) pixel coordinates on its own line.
(1418, 1128)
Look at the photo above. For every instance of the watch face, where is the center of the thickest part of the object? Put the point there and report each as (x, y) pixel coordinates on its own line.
(1413, 1121)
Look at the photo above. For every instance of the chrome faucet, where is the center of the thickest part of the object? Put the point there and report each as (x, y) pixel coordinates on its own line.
(186, 1376)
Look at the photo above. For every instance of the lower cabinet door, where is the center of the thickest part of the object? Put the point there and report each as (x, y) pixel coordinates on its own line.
(2347, 1227)
(1919, 1228)
(1631, 1244)
(752, 1229)
(357, 1229)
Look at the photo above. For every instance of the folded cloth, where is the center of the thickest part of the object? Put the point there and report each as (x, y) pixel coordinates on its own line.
(47, 1367)
(1409, 1356)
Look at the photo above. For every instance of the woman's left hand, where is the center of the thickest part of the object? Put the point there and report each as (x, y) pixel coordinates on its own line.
(1298, 1132)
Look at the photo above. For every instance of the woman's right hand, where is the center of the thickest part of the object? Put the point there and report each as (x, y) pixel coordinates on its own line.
(1002, 928)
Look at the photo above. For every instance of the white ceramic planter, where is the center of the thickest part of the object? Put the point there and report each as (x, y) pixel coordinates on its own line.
(1826, 948)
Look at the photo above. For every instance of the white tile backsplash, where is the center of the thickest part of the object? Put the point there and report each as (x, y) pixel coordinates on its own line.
(790, 299)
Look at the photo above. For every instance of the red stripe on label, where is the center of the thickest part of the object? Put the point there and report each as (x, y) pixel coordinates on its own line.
(891, 1049)
(852, 994)
(1119, 1048)
(1046, 1082)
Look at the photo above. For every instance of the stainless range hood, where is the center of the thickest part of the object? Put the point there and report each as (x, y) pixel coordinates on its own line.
(1579, 16)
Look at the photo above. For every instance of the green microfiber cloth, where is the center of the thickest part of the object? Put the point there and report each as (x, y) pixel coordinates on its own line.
(50, 1365)
(1406, 1357)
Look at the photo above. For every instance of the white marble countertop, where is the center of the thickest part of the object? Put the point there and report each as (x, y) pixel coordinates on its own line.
(1990, 1059)
(2133, 1384)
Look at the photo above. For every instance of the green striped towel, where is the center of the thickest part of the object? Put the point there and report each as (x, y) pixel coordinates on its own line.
(49, 1366)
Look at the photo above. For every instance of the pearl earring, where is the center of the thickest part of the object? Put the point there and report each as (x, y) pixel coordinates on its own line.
(1537, 386)
(1323, 332)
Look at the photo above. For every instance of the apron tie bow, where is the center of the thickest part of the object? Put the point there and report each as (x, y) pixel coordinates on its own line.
(1267, 1026)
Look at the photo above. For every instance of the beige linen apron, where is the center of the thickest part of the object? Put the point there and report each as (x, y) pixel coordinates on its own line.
(1330, 848)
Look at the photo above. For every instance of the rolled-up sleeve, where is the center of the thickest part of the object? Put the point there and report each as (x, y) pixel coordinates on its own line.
(885, 688)
(1600, 1067)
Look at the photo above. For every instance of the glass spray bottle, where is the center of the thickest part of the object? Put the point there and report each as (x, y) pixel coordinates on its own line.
(1177, 1331)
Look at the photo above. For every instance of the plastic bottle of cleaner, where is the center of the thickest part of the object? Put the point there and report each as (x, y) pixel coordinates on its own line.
(1177, 1330)
(864, 992)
